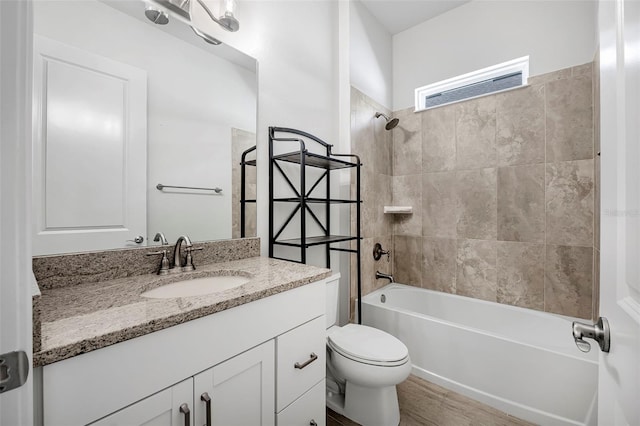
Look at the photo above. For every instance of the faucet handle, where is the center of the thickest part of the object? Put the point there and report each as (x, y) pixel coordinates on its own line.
(164, 263)
(378, 252)
(188, 264)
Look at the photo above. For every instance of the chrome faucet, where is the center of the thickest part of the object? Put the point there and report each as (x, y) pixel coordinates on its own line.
(385, 276)
(161, 238)
(177, 258)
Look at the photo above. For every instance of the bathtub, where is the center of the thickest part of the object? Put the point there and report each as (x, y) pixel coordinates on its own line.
(520, 361)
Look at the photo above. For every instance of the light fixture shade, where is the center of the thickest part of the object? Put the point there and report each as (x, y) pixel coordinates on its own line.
(228, 18)
(229, 6)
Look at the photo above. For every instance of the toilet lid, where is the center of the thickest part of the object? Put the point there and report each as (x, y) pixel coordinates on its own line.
(367, 344)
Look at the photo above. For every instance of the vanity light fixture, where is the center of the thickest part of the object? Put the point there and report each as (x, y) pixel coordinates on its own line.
(156, 15)
(206, 37)
(227, 21)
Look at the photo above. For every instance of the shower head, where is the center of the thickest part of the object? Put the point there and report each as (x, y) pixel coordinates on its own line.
(391, 122)
(156, 16)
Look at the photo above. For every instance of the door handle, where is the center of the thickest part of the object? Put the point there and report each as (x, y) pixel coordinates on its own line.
(598, 332)
(14, 369)
(207, 400)
(184, 409)
(138, 240)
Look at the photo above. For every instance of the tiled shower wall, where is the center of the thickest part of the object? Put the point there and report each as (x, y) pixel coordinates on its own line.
(503, 192)
(373, 144)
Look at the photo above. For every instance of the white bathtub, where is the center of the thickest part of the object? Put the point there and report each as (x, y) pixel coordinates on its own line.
(520, 361)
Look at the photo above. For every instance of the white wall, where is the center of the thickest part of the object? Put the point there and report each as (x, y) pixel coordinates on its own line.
(370, 55)
(555, 34)
(194, 100)
(295, 43)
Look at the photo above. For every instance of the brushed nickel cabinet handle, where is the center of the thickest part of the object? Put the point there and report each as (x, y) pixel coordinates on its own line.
(313, 423)
(312, 358)
(207, 400)
(184, 408)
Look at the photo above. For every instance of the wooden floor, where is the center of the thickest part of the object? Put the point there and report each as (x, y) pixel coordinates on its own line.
(424, 403)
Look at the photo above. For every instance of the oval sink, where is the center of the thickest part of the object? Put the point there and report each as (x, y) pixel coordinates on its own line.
(196, 287)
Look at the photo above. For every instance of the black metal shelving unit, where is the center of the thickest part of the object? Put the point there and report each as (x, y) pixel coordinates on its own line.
(243, 190)
(302, 199)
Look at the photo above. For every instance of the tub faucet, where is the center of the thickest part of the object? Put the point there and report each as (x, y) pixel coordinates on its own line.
(386, 276)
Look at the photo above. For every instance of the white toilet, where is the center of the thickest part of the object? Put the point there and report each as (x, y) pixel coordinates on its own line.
(364, 365)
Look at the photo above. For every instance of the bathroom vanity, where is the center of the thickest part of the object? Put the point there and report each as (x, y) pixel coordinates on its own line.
(250, 355)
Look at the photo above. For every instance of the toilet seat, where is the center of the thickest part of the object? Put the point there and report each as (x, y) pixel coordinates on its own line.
(367, 345)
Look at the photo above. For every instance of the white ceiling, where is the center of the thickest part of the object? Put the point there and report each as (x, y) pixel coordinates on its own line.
(398, 15)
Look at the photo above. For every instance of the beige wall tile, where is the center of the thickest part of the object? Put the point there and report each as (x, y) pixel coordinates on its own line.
(476, 204)
(550, 76)
(439, 205)
(521, 203)
(383, 146)
(407, 191)
(520, 133)
(568, 282)
(439, 264)
(569, 119)
(597, 205)
(596, 149)
(584, 69)
(376, 193)
(476, 133)
(520, 271)
(569, 203)
(476, 269)
(407, 260)
(595, 313)
(439, 139)
(407, 144)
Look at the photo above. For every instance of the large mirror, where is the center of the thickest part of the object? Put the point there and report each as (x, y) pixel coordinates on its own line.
(139, 128)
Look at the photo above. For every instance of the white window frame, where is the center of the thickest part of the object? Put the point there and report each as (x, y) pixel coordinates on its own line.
(509, 67)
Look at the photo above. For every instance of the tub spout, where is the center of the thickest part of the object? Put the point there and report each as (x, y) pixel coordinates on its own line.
(383, 275)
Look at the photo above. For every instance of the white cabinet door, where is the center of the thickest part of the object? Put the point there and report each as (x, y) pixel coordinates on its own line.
(242, 389)
(90, 150)
(160, 409)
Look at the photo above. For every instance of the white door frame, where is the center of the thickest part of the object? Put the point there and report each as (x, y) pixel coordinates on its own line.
(16, 278)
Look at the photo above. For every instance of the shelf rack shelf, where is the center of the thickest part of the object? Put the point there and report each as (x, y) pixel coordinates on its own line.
(302, 198)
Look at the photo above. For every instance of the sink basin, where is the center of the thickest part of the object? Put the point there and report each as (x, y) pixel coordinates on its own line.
(196, 287)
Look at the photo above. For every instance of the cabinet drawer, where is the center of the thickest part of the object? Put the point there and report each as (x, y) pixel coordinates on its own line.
(307, 410)
(300, 361)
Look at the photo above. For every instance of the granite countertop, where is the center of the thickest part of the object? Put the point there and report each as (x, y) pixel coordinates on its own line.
(81, 318)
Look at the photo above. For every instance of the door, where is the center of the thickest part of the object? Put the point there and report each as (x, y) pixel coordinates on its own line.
(619, 373)
(16, 406)
(170, 407)
(90, 150)
(241, 390)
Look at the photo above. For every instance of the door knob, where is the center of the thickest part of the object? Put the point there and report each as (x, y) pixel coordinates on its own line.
(598, 332)
(138, 240)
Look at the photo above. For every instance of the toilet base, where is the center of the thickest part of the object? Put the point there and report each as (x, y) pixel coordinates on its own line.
(367, 406)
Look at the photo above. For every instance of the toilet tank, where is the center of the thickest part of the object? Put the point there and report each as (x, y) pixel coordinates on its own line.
(333, 299)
